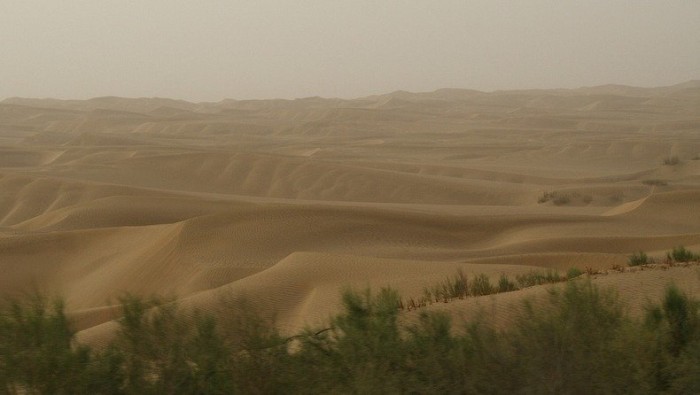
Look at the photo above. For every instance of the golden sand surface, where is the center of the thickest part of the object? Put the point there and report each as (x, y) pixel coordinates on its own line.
(289, 201)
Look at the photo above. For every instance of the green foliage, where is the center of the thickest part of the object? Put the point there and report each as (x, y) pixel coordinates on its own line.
(675, 345)
(638, 258)
(576, 339)
(505, 285)
(537, 277)
(681, 254)
(671, 161)
(481, 285)
(655, 182)
(557, 198)
(581, 345)
(573, 273)
(362, 351)
(36, 351)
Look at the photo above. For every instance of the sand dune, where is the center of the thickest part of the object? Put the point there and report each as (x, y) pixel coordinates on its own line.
(289, 201)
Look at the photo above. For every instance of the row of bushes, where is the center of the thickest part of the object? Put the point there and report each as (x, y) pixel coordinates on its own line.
(460, 286)
(678, 254)
(579, 341)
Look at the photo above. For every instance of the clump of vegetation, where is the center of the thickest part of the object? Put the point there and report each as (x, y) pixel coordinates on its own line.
(561, 198)
(655, 182)
(578, 339)
(671, 161)
(681, 254)
(460, 287)
(573, 273)
(481, 285)
(538, 278)
(638, 258)
(557, 198)
(451, 288)
(505, 284)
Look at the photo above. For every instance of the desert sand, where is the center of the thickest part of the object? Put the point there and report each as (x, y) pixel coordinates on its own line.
(289, 201)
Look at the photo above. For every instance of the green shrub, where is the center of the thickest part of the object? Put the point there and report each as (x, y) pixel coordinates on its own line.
(505, 285)
(671, 161)
(655, 182)
(558, 198)
(681, 254)
(575, 339)
(537, 277)
(36, 349)
(582, 344)
(573, 273)
(637, 259)
(481, 285)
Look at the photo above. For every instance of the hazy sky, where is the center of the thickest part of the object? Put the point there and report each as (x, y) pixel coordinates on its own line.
(213, 49)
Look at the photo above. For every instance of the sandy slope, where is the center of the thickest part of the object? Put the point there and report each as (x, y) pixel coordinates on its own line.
(287, 202)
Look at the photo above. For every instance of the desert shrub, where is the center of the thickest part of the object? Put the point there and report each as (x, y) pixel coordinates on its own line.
(505, 284)
(655, 182)
(545, 197)
(538, 277)
(638, 258)
(452, 287)
(434, 361)
(671, 161)
(561, 200)
(577, 339)
(363, 350)
(582, 344)
(681, 254)
(557, 198)
(36, 349)
(674, 357)
(164, 350)
(481, 285)
(573, 273)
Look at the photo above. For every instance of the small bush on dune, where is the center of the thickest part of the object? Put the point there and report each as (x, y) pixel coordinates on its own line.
(681, 254)
(538, 278)
(505, 284)
(481, 285)
(573, 273)
(671, 161)
(638, 258)
(655, 182)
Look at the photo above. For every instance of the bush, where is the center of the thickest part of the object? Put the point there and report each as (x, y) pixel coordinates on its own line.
(481, 285)
(582, 345)
(638, 258)
(36, 350)
(681, 254)
(573, 273)
(578, 339)
(505, 285)
(538, 278)
(655, 182)
(555, 197)
(671, 161)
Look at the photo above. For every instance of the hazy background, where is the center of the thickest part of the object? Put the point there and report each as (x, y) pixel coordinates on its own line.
(209, 50)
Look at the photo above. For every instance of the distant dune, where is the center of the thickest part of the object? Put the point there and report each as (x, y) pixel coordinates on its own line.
(289, 201)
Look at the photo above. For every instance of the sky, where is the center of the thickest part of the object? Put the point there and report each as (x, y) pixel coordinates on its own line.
(208, 50)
